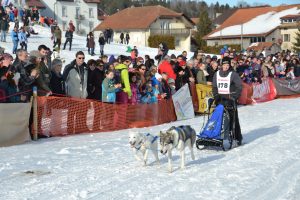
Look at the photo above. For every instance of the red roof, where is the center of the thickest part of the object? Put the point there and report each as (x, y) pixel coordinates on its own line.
(138, 18)
(195, 20)
(244, 15)
(259, 46)
(92, 1)
(35, 3)
(290, 16)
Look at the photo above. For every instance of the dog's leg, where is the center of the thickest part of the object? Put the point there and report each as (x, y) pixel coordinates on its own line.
(155, 153)
(192, 151)
(146, 157)
(182, 159)
(170, 161)
(136, 155)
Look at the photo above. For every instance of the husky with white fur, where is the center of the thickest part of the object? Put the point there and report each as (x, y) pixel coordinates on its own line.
(177, 138)
(141, 142)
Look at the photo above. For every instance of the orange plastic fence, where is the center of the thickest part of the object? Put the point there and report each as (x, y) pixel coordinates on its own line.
(59, 116)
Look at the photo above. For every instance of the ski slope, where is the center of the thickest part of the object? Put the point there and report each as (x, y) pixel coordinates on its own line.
(102, 166)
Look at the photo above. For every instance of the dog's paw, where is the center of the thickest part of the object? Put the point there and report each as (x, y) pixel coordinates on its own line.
(145, 163)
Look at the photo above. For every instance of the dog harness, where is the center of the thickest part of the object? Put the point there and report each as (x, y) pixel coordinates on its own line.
(183, 134)
(141, 143)
(154, 138)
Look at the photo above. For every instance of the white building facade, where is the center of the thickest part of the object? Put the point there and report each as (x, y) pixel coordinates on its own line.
(83, 13)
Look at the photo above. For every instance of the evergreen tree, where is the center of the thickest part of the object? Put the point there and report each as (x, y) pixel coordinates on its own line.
(296, 45)
(204, 27)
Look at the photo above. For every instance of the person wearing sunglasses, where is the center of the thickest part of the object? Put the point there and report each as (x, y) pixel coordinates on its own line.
(75, 76)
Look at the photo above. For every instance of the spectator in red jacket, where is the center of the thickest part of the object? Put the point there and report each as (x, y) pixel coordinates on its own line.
(166, 67)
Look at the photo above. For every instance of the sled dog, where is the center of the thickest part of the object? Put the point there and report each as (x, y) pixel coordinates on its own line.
(143, 142)
(177, 138)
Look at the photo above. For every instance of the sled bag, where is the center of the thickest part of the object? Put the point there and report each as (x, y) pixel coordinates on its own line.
(213, 126)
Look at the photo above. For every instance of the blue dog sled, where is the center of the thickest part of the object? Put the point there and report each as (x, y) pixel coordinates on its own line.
(217, 131)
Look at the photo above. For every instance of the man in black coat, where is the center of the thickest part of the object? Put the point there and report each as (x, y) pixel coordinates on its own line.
(95, 79)
(227, 88)
(69, 38)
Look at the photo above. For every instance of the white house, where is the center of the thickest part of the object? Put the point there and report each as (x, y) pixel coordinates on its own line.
(251, 25)
(83, 13)
(142, 22)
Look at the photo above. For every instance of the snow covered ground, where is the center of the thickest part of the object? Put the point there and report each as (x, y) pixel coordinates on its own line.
(102, 166)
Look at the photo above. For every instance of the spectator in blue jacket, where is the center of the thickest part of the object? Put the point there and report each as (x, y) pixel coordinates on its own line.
(15, 39)
(23, 38)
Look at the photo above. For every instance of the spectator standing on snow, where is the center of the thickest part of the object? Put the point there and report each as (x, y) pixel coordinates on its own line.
(91, 44)
(101, 43)
(122, 38)
(15, 39)
(69, 38)
(23, 38)
(127, 38)
(57, 35)
(4, 26)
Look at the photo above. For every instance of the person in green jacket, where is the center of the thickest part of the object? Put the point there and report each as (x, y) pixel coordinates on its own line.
(122, 77)
(202, 74)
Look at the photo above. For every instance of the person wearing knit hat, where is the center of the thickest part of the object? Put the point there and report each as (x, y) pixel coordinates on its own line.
(227, 88)
(57, 62)
(57, 84)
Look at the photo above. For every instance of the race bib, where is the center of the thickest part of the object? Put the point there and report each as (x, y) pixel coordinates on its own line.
(223, 83)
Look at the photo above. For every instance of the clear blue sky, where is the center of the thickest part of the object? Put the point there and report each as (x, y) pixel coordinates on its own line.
(271, 2)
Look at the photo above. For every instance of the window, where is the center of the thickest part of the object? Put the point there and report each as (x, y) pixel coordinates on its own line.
(91, 13)
(286, 37)
(64, 25)
(177, 43)
(91, 25)
(64, 11)
(77, 12)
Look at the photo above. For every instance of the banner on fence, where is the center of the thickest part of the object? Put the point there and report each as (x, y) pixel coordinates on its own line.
(287, 87)
(246, 96)
(13, 125)
(183, 104)
(204, 93)
(265, 91)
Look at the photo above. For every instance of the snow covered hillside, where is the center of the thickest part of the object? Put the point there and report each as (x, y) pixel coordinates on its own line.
(79, 44)
(102, 166)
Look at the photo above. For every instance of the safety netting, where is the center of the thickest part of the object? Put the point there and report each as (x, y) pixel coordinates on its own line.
(58, 116)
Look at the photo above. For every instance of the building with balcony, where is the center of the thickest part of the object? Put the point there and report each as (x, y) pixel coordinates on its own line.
(83, 13)
(288, 29)
(251, 25)
(141, 22)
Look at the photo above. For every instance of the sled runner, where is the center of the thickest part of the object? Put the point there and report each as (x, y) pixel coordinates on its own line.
(217, 132)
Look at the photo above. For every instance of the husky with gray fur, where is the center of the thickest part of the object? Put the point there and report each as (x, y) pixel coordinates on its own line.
(177, 138)
(141, 142)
